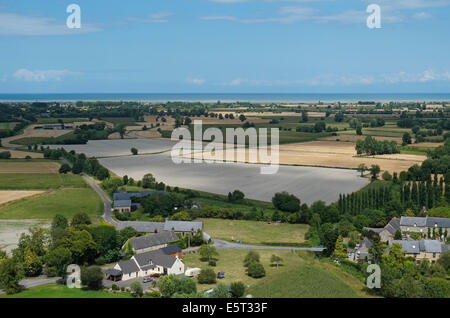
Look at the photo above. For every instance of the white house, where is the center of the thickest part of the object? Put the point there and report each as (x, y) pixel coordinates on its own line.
(146, 264)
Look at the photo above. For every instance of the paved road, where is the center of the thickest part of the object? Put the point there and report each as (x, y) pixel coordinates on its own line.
(107, 215)
(224, 245)
(36, 281)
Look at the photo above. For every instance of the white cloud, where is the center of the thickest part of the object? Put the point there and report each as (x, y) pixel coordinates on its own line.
(16, 24)
(41, 75)
(422, 16)
(159, 17)
(347, 79)
(196, 81)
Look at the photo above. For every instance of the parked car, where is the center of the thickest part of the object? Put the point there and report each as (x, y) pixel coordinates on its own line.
(156, 275)
(220, 275)
(147, 280)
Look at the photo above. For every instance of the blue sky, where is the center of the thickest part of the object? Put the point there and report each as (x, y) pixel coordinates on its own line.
(267, 46)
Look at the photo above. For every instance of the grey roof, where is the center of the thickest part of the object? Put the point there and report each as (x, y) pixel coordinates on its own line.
(183, 226)
(128, 266)
(412, 221)
(393, 226)
(129, 195)
(445, 248)
(154, 258)
(439, 222)
(147, 241)
(142, 227)
(365, 242)
(425, 221)
(415, 247)
(122, 203)
(171, 249)
(113, 272)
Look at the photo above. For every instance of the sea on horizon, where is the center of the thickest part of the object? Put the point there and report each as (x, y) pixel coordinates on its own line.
(230, 97)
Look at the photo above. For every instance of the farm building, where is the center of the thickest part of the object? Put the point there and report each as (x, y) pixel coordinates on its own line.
(430, 250)
(182, 227)
(387, 233)
(425, 225)
(152, 242)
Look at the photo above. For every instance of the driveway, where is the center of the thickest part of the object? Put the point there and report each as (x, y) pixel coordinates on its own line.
(127, 283)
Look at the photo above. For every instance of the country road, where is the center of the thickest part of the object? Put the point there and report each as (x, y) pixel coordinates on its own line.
(107, 215)
(224, 245)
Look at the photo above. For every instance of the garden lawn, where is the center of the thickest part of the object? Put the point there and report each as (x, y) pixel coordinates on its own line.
(62, 291)
(66, 202)
(301, 275)
(256, 232)
(38, 181)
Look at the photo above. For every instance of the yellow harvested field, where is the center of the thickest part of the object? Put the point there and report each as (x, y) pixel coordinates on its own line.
(427, 144)
(227, 121)
(335, 155)
(9, 196)
(17, 154)
(29, 167)
(30, 132)
(354, 138)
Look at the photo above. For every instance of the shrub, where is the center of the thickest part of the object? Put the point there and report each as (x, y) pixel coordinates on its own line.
(136, 289)
(212, 263)
(206, 276)
(256, 270)
(386, 176)
(92, 277)
(5, 155)
(115, 287)
(252, 257)
(237, 289)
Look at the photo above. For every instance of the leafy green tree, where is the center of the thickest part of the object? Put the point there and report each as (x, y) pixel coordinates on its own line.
(251, 257)
(339, 251)
(148, 181)
(406, 138)
(286, 202)
(206, 276)
(374, 171)
(92, 277)
(362, 168)
(398, 235)
(32, 264)
(275, 259)
(136, 289)
(237, 289)
(386, 176)
(256, 270)
(64, 169)
(10, 275)
(57, 261)
(79, 219)
(207, 252)
(221, 291)
(305, 117)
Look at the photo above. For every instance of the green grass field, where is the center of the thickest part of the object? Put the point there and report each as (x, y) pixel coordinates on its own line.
(62, 291)
(301, 275)
(29, 141)
(256, 232)
(39, 181)
(68, 120)
(7, 125)
(66, 202)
